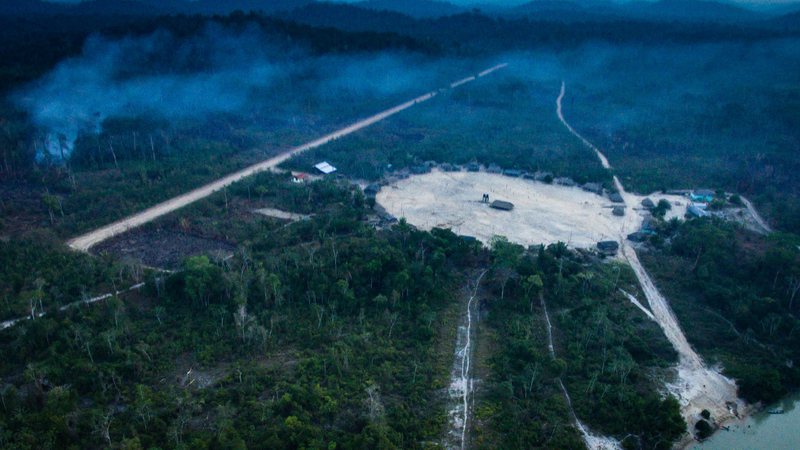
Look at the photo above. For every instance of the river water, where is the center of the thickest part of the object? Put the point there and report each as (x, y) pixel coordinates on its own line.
(761, 430)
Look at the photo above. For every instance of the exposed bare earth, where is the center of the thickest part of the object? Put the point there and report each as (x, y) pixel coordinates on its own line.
(279, 214)
(87, 240)
(542, 214)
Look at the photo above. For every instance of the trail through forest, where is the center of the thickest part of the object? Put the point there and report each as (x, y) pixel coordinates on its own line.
(461, 376)
(88, 301)
(592, 441)
(698, 387)
(86, 241)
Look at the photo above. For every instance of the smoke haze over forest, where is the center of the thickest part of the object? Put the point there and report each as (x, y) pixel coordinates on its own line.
(218, 71)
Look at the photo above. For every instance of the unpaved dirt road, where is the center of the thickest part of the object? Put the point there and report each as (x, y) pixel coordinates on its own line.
(756, 216)
(86, 241)
(560, 113)
(697, 387)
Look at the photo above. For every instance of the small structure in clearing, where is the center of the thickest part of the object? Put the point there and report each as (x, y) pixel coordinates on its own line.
(372, 190)
(494, 168)
(299, 177)
(616, 197)
(608, 248)
(596, 188)
(638, 236)
(502, 205)
(696, 211)
(564, 181)
(618, 211)
(325, 167)
(702, 195)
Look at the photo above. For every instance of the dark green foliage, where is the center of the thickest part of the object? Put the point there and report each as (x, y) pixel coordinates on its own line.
(735, 295)
(605, 349)
(316, 335)
(488, 121)
(703, 429)
(38, 273)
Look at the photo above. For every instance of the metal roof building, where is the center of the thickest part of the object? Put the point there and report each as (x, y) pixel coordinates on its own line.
(325, 168)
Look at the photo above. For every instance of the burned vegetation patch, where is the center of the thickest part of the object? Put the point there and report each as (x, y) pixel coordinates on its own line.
(163, 248)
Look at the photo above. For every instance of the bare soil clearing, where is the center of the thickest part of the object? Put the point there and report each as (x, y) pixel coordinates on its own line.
(279, 214)
(542, 214)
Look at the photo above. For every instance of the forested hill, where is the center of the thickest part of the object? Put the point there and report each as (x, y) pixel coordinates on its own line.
(479, 31)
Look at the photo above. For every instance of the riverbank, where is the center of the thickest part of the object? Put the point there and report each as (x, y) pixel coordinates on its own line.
(758, 429)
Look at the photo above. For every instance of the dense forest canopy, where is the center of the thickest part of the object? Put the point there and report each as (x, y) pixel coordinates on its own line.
(332, 325)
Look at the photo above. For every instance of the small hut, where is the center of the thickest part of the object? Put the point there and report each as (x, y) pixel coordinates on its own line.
(502, 205)
(596, 188)
(608, 248)
(702, 195)
(494, 168)
(638, 236)
(372, 190)
(616, 197)
(618, 211)
(564, 181)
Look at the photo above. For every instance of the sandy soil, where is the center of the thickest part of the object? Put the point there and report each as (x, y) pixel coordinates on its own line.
(747, 216)
(86, 241)
(279, 214)
(697, 387)
(542, 214)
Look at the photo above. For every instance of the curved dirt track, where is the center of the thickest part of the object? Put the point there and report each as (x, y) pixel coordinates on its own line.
(697, 387)
(560, 113)
(86, 241)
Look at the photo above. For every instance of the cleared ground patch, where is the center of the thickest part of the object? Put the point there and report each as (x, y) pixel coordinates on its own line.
(542, 214)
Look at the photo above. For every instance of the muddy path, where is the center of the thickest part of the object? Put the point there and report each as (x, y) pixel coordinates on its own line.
(86, 241)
